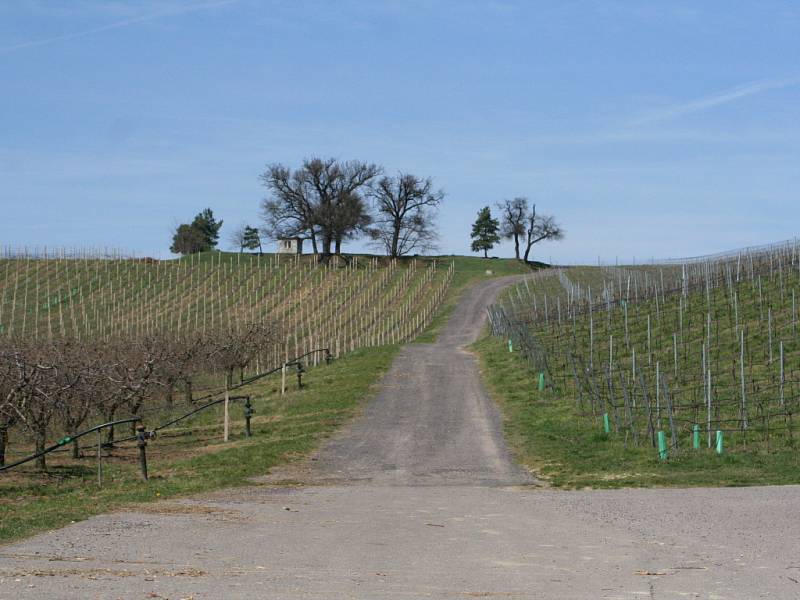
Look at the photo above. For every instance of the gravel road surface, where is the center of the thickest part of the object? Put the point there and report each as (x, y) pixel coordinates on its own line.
(419, 498)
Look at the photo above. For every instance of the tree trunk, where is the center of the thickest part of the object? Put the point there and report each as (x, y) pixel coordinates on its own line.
(314, 242)
(485, 253)
(395, 239)
(76, 451)
(41, 439)
(338, 246)
(516, 245)
(3, 443)
(110, 430)
(527, 252)
(189, 390)
(326, 245)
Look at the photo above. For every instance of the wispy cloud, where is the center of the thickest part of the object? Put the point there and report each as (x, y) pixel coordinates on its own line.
(706, 102)
(151, 16)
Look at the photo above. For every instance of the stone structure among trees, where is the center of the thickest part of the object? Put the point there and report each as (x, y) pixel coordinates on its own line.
(290, 245)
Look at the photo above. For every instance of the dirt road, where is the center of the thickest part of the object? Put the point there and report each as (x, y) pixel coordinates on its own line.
(419, 498)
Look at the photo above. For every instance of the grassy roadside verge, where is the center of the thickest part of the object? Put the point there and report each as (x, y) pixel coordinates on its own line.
(193, 459)
(468, 270)
(567, 451)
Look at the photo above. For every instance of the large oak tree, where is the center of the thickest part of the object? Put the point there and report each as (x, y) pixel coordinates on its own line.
(405, 207)
(322, 201)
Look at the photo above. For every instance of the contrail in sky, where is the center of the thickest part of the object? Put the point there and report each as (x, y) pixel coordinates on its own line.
(706, 102)
(179, 10)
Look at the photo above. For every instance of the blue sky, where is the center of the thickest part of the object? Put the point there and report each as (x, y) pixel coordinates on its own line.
(650, 129)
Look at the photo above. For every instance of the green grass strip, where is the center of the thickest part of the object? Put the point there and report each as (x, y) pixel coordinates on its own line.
(570, 451)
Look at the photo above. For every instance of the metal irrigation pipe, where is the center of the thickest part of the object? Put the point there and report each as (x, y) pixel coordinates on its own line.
(328, 359)
(197, 410)
(62, 442)
(248, 406)
(181, 418)
(66, 440)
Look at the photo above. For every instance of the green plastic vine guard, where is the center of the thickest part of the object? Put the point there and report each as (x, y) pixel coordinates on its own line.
(696, 437)
(662, 446)
(541, 382)
(510, 345)
(606, 425)
(720, 442)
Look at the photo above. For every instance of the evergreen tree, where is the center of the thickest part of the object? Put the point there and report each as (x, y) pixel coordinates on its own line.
(251, 239)
(201, 235)
(208, 226)
(484, 232)
(188, 240)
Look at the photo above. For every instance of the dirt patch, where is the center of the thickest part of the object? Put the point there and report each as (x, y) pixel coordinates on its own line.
(98, 573)
(165, 508)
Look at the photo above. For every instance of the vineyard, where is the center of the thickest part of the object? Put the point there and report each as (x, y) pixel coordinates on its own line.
(85, 339)
(682, 356)
(360, 303)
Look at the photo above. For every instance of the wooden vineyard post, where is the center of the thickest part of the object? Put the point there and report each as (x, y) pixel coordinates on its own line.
(141, 437)
(226, 425)
(611, 352)
(591, 335)
(651, 430)
(675, 353)
(283, 369)
(708, 404)
(99, 459)
(783, 377)
(741, 376)
(769, 328)
(658, 395)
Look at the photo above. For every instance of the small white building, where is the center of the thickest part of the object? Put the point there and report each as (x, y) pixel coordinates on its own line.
(290, 246)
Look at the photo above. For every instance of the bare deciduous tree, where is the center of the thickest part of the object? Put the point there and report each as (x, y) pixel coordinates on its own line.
(289, 211)
(405, 208)
(127, 376)
(525, 226)
(56, 385)
(46, 375)
(78, 402)
(513, 216)
(539, 228)
(237, 237)
(8, 390)
(321, 201)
